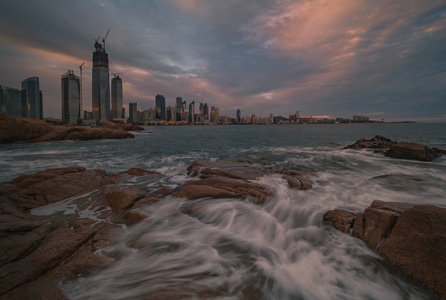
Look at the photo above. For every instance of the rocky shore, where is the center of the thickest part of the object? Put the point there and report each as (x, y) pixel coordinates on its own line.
(54, 222)
(24, 130)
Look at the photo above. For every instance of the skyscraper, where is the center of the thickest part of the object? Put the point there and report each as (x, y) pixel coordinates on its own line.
(70, 95)
(101, 84)
(178, 105)
(31, 98)
(160, 104)
(116, 95)
(206, 112)
(192, 112)
(133, 112)
(239, 115)
(10, 101)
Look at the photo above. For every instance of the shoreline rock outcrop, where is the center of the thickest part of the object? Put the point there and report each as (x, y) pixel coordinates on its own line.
(400, 150)
(412, 238)
(26, 130)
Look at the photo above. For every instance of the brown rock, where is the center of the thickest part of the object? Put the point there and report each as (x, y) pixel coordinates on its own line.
(135, 216)
(138, 172)
(221, 187)
(53, 185)
(119, 200)
(232, 168)
(340, 219)
(414, 151)
(411, 237)
(145, 201)
(298, 183)
(377, 142)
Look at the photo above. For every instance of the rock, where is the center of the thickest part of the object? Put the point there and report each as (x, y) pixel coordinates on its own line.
(13, 130)
(119, 200)
(377, 142)
(340, 219)
(395, 149)
(222, 187)
(37, 252)
(414, 151)
(412, 238)
(52, 185)
(237, 168)
(135, 216)
(138, 172)
(124, 126)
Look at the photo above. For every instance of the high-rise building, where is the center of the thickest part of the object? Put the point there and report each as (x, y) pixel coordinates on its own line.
(133, 112)
(10, 101)
(215, 115)
(184, 113)
(100, 85)
(70, 95)
(239, 116)
(116, 96)
(192, 112)
(206, 112)
(170, 113)
(31, 98)
(178, 105)
(160, 104)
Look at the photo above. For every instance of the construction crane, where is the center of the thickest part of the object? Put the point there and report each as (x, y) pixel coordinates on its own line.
(80, 95)
(103, 40)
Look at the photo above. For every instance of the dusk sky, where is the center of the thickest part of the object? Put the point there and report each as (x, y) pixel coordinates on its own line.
(383, 59)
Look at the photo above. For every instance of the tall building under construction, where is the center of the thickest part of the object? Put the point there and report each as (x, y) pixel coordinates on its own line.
(101, 84)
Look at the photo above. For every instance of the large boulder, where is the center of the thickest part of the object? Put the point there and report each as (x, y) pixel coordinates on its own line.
(412, 238)
(414, 151)
(378, 142)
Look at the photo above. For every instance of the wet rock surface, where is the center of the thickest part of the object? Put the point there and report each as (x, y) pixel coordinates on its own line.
(400, 150)
(412, 238)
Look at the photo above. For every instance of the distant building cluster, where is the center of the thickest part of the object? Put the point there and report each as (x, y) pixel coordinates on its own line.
(27, 102)
(107, 103)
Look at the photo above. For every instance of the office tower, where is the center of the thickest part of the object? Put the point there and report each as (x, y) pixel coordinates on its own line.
(100, 85)
(239, 115)
(201, 109)
(170, 113)
(206, 112)
(178, 105)
(70, 95)
(215, 115)
(192, 112)
(10, 101)
(160, 104)
(133, 112)
(116, 96)
(184, 116)
(31, 98)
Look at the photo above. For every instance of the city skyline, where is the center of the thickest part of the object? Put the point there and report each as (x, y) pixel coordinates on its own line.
(319, 57)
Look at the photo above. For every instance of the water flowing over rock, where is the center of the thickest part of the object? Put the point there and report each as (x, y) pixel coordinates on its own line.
(234, 178)
(401, 150)
(412, 238)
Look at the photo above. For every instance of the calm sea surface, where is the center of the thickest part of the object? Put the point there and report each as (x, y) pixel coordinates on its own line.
(238, 250)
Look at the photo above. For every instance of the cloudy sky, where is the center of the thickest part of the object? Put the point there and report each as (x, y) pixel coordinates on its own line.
(384, 59)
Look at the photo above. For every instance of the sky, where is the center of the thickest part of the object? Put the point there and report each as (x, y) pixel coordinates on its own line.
(382, 59)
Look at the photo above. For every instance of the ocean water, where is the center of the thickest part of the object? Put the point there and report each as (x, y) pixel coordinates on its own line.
(233, 249)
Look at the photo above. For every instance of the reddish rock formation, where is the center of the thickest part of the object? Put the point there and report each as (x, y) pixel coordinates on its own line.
(124, 126)
(412, 238)
(38, 250)
(13, 130)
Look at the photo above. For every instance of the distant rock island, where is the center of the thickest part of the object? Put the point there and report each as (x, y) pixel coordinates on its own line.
(26, 130)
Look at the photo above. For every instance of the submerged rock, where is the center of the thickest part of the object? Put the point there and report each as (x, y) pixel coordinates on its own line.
(377, 142)
(412, 238)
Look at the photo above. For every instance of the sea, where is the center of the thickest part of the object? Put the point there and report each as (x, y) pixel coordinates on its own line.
(235, 249)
